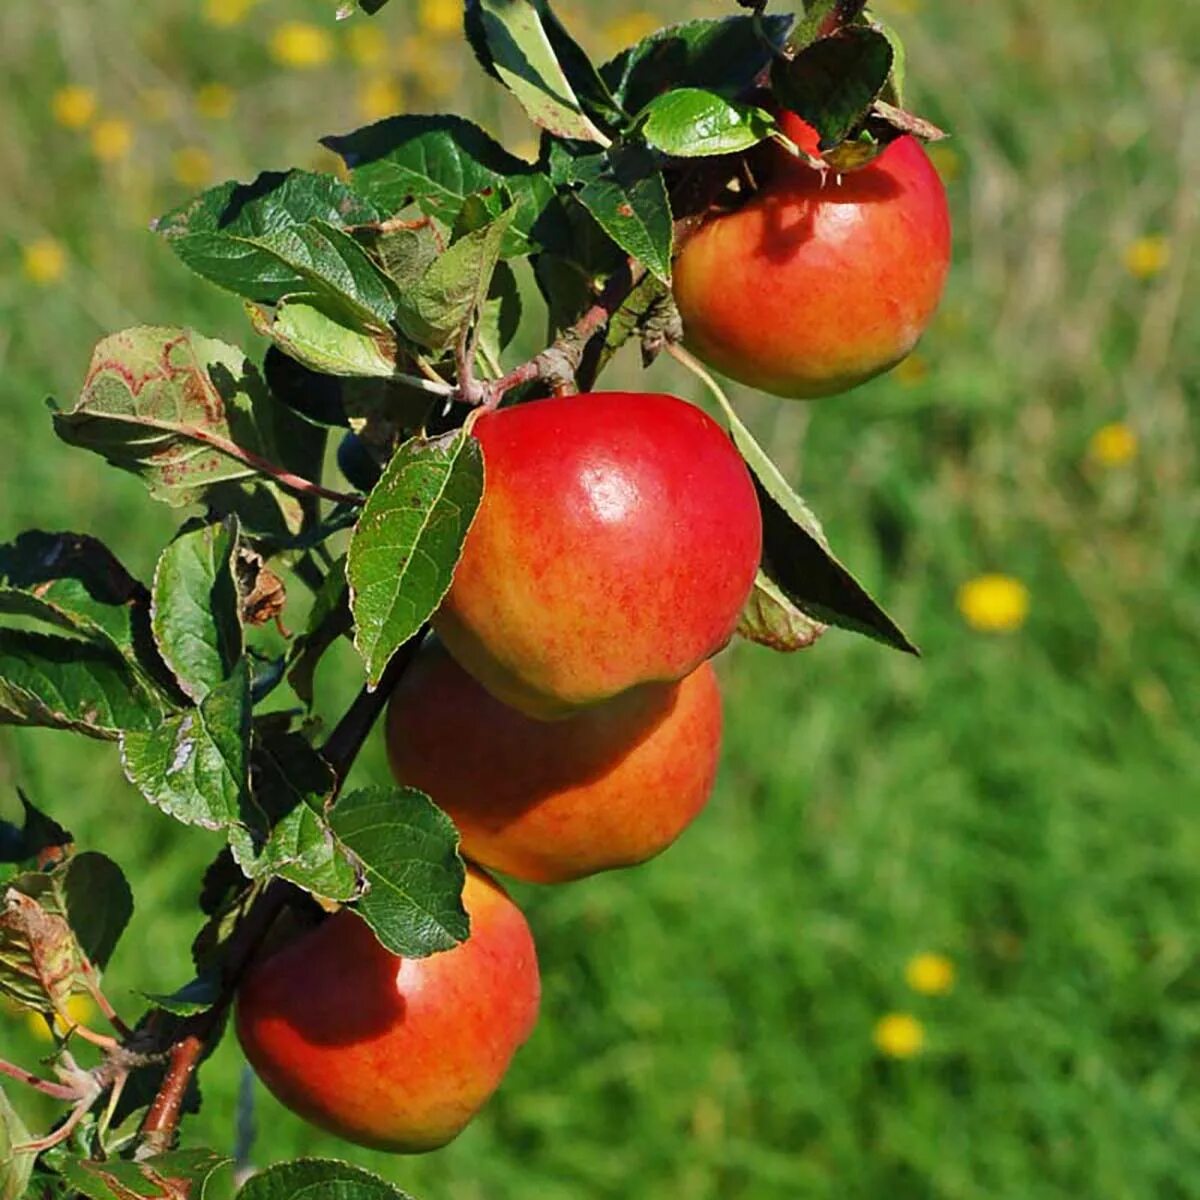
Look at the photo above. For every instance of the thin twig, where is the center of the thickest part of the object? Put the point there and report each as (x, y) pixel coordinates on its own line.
(103, 1004)
(59, 1091)
(64, 1131)
(102, 1040)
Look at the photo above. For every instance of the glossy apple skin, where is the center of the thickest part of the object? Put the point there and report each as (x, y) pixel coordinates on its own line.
(818, 283)
(396, 1054)
(616, 543)
(548, 802)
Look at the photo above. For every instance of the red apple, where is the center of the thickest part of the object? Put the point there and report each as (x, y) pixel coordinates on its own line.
(394, 1053)
(616, 543)
(820, 281)
(546, 802)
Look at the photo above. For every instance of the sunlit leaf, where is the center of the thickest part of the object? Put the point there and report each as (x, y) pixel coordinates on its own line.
(408, 541)
(408, 849)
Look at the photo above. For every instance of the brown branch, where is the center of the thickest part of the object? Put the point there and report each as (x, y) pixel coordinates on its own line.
(103, 1003)
(558, 363)
(59, 1091)
(194, 1034)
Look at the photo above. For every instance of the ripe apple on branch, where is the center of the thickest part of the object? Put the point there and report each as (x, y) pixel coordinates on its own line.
(747, 191)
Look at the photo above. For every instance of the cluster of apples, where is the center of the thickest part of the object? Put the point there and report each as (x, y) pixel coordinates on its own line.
(567, 717)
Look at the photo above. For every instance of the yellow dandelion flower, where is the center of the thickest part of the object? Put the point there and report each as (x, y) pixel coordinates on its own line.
(224, 14)
(301, 45)
(1113, 445)
(366, 44)
(1146, 257)
(80, 1009)
(911, 370)
(628, 30)
(112, 139)
(946, 161)
(44, 261)
(216, 101)
(899, 1035)
(442, 18)
(192, 166)
(379, 98)
(73, 106)
(930, 974)
(994, 603)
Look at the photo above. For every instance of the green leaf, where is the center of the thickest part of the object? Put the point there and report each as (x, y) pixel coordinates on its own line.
(174, 408)
(15, 1169)
(454, 288)
(274, 201)
(408, 541)
(312, 337)
(522, 56)
(282, 234)
(568, 276)
(894, 92)
(195, 766)
(823, 18)
(724, 55)
(293, 786)
(833, 82)
(197, 613)
(796, 554)
(74, 582)
(97, 902)
(318, 1179)
(589, 85)
(196, 996)
(171, 1176)
(65, 683)
(626, 193)
(499, 319)
(437, 163)
(695, 123)
(408, 849)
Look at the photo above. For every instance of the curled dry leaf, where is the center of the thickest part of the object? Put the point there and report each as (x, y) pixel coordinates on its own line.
(39, 956)
(262, 592)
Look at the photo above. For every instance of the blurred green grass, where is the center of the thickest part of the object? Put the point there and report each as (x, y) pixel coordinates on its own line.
(1023, 803)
